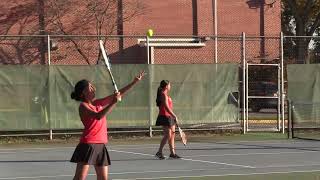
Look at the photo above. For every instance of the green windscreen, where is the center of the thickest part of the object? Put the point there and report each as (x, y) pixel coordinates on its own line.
(38, 97)
(304, 93)
(24, 97)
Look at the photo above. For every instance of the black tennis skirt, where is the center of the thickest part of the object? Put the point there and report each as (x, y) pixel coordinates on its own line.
(92, 154)
(165, 121)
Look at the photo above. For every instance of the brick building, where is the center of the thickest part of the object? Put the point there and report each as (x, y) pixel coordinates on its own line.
(199, 19)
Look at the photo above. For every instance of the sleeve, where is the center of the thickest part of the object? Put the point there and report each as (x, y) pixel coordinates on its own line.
(103, 101)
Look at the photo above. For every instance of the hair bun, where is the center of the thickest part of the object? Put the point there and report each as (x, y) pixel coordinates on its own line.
(73, 95)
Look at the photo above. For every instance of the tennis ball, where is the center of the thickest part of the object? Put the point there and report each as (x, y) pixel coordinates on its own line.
(150, 33)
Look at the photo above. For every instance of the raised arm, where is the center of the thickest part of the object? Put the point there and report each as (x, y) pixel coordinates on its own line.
(106, 100)
(125, 89)
(85, 110)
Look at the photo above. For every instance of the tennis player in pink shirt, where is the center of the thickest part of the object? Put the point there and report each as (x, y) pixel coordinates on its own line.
(167, 119)
(92, 149)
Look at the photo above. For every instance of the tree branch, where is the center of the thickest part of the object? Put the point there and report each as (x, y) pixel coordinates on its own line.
(293, 6)
(314, 26)
(308, 6)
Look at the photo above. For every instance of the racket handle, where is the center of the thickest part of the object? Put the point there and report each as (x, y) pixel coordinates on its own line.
(119, 99)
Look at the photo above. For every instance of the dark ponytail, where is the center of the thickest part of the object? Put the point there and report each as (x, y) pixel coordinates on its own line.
(163, 84)
(78, 89)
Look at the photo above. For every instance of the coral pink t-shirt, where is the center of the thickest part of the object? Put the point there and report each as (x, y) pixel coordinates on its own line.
(162, 109)
(95, 130)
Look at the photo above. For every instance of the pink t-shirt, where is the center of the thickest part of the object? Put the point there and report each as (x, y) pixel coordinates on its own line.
(162, 109)
(95, 130)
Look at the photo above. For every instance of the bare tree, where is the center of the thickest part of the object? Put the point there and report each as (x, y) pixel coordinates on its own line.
(19, 18)
(106, 16)
(72, 17)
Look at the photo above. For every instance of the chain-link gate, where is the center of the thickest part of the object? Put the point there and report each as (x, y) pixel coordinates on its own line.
(262, 90)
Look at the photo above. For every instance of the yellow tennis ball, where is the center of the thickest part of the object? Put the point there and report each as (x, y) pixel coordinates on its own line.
(150, 33)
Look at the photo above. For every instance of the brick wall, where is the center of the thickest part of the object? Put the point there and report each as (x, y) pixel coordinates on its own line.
(174, 17)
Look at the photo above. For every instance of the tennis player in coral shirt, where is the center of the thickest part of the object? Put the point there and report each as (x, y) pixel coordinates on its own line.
(92, 149)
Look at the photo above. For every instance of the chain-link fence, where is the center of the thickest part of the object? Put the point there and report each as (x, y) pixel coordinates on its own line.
(263, 58)
(301, 54)
(84, 50)
(302, 49)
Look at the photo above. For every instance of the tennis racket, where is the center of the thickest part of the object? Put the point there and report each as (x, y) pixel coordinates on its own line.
(108, 65)
(182, 136)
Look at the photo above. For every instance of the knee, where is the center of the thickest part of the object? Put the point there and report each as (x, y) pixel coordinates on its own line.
(166, 136)
(171, 134)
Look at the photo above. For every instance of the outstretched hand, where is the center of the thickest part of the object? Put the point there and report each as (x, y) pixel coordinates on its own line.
(140, 76)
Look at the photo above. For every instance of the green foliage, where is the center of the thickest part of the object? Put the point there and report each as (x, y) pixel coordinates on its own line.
(300, 18)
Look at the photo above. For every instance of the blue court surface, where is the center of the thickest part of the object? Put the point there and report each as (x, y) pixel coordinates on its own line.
(201, 160)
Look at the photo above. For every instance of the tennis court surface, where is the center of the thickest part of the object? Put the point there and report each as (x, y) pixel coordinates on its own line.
(222, 160)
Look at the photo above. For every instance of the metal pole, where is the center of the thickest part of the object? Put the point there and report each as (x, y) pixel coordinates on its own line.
(150, 85)
(247, 96)
(243, 82)
(49, 55)
(279, 98)
(282, 81)
(215, 32)
(49, 62)
(148, 50)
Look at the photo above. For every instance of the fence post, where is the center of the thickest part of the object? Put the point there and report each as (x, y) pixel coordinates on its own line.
(49, 62)
(289, 119)
(243, 82)
(282, 81)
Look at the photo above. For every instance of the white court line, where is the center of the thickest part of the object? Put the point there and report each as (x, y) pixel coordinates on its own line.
(143, 172)
(128, 152)
(36, 177)
(204, 144)
(213, 162)
(165, 171)
(120, 173)
(139, 146)
(28, 150)
(222, 175)
(248, 154)
(289, 165)
(194, 160)
(39, 177)
(24, 149)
